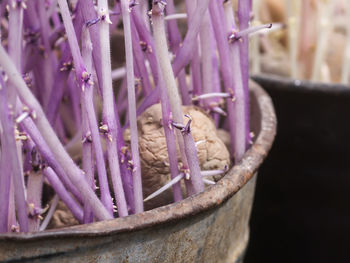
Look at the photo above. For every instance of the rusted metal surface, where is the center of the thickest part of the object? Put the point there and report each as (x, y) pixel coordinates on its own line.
(211, 226)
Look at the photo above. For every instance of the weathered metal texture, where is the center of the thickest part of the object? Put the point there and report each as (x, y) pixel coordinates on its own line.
(211, 226)
(301, 211)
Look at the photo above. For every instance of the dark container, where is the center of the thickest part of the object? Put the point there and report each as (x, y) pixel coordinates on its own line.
(211, 226)
(301, 210)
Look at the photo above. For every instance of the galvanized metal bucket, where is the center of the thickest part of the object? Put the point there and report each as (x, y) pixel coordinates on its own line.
(302, 213)
(211, 226)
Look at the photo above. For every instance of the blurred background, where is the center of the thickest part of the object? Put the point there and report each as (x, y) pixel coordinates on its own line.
(301, 210)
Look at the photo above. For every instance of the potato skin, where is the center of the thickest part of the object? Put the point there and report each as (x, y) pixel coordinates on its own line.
(212, 152)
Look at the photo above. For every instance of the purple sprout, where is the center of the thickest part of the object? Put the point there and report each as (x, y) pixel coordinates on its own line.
(61, 115)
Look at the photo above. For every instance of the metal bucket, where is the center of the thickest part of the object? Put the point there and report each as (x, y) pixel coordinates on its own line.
(301, 211)
(211, 226)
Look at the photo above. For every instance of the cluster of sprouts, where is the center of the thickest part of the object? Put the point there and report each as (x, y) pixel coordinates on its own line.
(317, 38)
(62, 117)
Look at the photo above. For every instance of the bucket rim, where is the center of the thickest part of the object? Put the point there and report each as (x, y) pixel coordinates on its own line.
(287, 83)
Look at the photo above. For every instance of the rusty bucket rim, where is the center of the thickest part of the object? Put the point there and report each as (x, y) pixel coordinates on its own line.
(212, 197)
(290, 84)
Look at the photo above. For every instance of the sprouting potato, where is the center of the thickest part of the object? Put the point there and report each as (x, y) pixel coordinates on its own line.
(212, 152)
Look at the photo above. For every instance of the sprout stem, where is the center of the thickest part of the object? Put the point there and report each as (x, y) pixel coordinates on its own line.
(210, 182)
(240, 106)
(212, 95)
(206, 40)
(293, 7)
(34, 193)
(326, 27)
(87, 106)
(15, 167)
(88, 164)
(15, 43)
(5, 182)
(108, 114)
(195, 59)
(188, 158)
(61, 191)
(170, 138)
(346, 61)
(175, 16)
(140, 61)
(225, 64)
(244, 12)
(175, 44)
(49, 60)
(137, 182)
(255, 43)
(165, 187)
(89, 14)
(34, 185)
(118, 73)
(250, 31)
(212, 172)
(50, 213)
(148, 44)
(183, 56)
